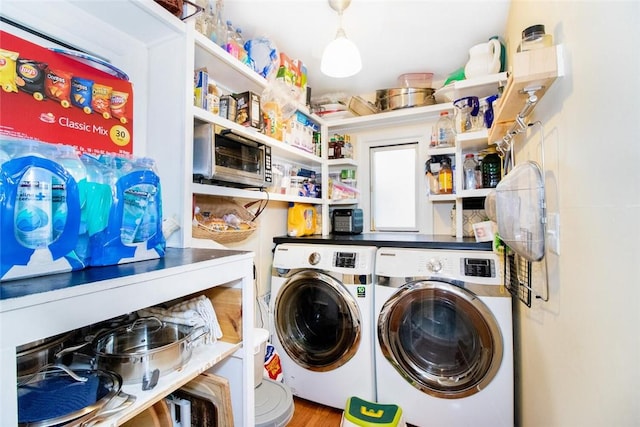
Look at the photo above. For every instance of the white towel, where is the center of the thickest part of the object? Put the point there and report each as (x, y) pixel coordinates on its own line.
(196, 312)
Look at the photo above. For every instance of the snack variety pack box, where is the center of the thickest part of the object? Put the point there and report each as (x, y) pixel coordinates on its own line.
(55, 97)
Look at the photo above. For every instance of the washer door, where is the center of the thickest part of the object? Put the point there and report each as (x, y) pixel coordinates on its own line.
(441, 338)
(317, 321)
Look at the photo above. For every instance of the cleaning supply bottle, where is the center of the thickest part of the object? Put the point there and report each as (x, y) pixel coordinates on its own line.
(301, 219)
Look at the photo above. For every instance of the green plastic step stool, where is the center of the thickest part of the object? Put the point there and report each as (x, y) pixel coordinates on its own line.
(362, 413)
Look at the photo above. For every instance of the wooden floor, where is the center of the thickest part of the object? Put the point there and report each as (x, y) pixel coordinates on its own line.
(310, 414)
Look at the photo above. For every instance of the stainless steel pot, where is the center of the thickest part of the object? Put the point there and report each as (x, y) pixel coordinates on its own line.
(33, 356)
(145, 350)
(57, 395)
(406, 97)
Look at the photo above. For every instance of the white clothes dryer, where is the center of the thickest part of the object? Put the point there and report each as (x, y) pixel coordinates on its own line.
(322, 318)
(444, 345)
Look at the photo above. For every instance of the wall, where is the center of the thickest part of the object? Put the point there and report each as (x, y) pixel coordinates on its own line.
(578, 354)
(272, 222)
(365, 140)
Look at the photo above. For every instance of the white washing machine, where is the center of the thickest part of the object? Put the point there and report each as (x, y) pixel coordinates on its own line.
(322, 316)
(444, 344)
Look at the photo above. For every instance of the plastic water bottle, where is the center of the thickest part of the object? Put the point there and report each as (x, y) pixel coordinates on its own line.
(239, 41)
(469, 169)
(232, 46)
(219, 35)
(445, 136)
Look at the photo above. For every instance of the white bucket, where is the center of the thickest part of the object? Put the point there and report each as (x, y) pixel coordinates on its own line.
(260, 337)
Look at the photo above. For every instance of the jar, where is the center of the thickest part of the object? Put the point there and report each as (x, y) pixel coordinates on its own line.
(534, 37)
(491, 169)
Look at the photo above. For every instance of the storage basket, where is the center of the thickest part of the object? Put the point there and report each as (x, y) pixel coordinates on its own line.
(177, 9)
(209, 220)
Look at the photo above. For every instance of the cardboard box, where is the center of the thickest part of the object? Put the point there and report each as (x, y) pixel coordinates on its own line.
(228, 105)
(53, 96)
(200, 88)
(248, 110)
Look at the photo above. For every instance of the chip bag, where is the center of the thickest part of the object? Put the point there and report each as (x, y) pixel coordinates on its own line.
(81, 91)
(57, 85)
(119, 105)
(8, 70)
(101, 100)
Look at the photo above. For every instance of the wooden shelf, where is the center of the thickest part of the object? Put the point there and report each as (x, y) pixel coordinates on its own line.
(532, 70)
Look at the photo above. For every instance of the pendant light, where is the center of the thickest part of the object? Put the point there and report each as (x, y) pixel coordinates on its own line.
(341, 57)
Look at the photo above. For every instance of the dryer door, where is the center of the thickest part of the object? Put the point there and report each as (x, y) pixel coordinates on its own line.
(317, 320)
(441, 338)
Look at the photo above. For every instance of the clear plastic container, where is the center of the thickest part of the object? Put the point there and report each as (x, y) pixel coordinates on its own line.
(469, 170)
(419, 80)
(445, 135)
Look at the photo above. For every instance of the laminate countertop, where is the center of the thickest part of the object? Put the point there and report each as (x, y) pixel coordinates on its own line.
(392, 240)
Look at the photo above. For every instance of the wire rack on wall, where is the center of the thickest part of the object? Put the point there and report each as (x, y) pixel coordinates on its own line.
(517, 277)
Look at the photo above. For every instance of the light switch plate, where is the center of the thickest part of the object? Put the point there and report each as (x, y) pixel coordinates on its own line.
(553, 232)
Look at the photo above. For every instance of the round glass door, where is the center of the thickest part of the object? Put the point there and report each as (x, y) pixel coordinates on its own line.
(317, 321)
(441, 338)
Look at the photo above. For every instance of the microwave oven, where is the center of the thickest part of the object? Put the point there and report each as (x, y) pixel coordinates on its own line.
(221, 156)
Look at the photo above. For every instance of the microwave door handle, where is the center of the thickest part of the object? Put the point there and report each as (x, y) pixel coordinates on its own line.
(228, 133)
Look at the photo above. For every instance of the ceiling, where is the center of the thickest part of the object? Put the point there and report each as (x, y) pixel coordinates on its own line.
(394, 36)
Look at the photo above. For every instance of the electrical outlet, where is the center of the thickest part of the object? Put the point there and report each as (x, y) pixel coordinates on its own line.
(553, 232)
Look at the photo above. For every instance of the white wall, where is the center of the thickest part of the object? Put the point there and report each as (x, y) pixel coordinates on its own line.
(272, 222)
(579, 354)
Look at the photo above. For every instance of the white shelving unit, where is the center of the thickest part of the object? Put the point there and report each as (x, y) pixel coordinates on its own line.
(466, 142)
(232, 76)
(34, 309)
(157, 51)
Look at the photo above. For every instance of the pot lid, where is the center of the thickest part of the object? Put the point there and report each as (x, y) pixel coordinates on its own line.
(56, 394)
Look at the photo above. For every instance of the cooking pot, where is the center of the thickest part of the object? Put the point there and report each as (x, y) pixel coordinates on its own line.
(56, 395)
(33, 356)
(146, 349)
(405, 97)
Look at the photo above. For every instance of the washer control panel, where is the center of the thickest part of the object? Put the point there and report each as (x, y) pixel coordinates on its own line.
(345, 259)
(478, 267)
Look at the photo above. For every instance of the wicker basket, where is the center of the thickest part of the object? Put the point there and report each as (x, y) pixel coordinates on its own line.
(218, 207)
(176, 8)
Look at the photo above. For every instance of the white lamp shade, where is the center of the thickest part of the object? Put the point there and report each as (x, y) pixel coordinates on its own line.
(341, 58)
